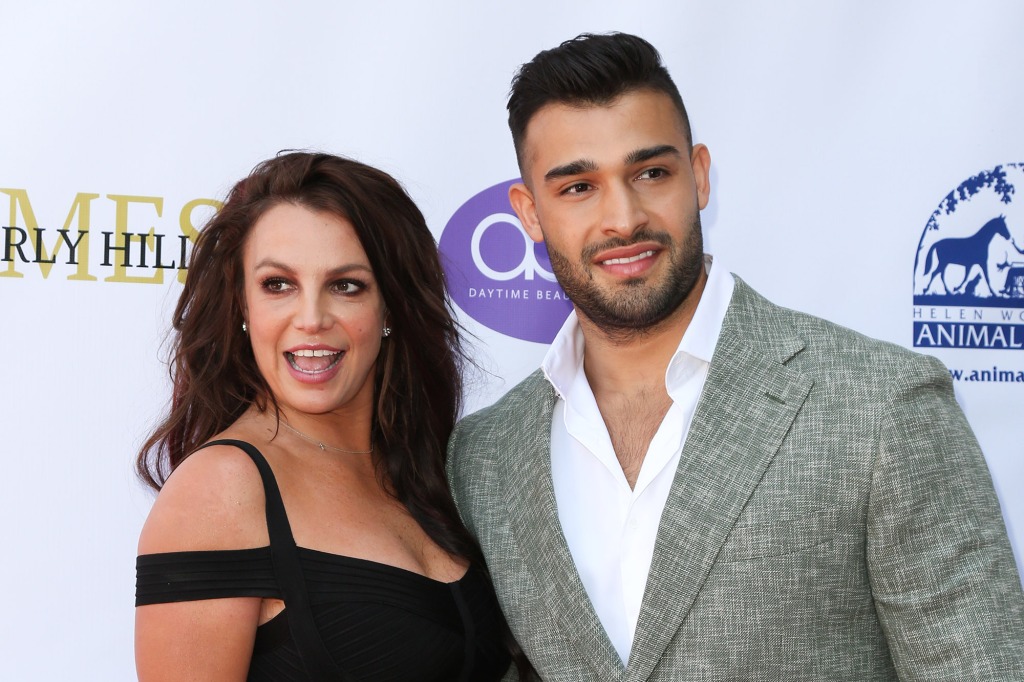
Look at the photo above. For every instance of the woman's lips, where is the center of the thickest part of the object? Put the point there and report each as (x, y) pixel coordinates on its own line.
(313, 365)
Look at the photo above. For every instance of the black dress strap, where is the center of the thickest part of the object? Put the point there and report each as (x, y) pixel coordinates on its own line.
(317, 660)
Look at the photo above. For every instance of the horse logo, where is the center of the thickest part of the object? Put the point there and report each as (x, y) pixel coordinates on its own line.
(961, 265)
(969, 253)
(969, 266)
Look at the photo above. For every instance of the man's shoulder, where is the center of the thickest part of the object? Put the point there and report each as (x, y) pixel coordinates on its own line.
(823, 341)
(481, 440)
(520, 403)
(515, 418)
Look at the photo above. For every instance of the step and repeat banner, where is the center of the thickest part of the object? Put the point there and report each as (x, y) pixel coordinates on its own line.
(867, 167)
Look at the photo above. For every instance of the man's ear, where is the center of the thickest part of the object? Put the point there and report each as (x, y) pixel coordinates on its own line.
(700, 160)
(521, 198)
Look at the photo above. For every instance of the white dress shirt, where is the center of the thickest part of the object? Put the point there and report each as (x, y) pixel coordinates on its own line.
(610, 528)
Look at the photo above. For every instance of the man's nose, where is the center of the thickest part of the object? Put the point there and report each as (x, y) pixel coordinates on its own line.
(622, 210)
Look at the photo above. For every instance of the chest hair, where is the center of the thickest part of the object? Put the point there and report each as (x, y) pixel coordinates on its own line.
(632, 421)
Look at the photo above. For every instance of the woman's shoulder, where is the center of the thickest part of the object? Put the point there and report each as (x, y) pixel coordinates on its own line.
(213, 500)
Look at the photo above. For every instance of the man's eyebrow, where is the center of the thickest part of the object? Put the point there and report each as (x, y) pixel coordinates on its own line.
(648, 153)
(587, 165)
(571, 168)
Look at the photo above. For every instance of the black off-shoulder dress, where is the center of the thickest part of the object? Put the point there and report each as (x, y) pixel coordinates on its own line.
(344, 618)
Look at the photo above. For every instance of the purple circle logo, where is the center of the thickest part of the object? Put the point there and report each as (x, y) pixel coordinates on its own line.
(497, 274)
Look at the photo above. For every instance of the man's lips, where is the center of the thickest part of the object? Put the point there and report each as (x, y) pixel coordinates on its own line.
(630, 259)
(629, 262)
(628, 254)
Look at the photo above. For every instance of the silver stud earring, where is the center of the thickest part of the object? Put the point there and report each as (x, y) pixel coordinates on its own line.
(385, 332)
(245, 328)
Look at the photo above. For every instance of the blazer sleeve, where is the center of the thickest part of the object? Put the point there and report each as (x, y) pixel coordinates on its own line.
(945, 584)
(453, 462)
(459, 467)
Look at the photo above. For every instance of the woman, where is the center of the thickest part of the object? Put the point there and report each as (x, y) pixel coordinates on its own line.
(307, 531)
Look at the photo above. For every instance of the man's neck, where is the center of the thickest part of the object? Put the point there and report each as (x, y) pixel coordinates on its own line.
(618, 365)
(627, 378)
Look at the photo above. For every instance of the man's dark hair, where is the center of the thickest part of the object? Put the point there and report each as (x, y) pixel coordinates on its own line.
(590, 69)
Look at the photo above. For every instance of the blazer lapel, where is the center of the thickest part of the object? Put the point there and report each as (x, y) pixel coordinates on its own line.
(749, 401)
(533, 516)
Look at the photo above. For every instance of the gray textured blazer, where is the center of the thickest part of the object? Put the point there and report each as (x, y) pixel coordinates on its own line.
(832, 518)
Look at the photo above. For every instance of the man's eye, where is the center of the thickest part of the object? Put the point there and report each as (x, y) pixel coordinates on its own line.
(576, 188)
(653, 174)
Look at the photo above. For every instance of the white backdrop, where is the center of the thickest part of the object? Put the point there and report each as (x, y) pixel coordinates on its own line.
(836, 129)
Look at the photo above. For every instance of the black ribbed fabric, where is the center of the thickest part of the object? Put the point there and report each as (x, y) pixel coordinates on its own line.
(372, 621)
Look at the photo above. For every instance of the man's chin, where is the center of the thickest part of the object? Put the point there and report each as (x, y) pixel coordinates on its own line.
(631, 320)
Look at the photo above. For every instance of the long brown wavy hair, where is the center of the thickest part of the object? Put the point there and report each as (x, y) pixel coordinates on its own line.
(418, 384)
(418, 381)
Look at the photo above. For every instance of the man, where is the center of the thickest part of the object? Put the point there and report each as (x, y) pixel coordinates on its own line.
(698, 484)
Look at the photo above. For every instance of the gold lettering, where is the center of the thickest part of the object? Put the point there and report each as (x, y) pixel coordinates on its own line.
(125, 248)
(121, 202)
(78, 247)
(189, 229)
(19, 197)
(82, 207)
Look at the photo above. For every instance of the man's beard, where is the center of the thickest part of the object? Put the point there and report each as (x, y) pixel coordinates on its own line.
(635, 307)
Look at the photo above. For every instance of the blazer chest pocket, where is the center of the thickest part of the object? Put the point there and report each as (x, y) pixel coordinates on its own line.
(778, 538)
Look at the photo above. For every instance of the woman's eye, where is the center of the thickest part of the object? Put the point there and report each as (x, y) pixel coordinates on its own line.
(348, 286)
(274, 284)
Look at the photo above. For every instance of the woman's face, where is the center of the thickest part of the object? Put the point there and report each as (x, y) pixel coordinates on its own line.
(313, 309)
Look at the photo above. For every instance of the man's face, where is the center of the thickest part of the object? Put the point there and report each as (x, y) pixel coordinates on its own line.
(615, 194)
